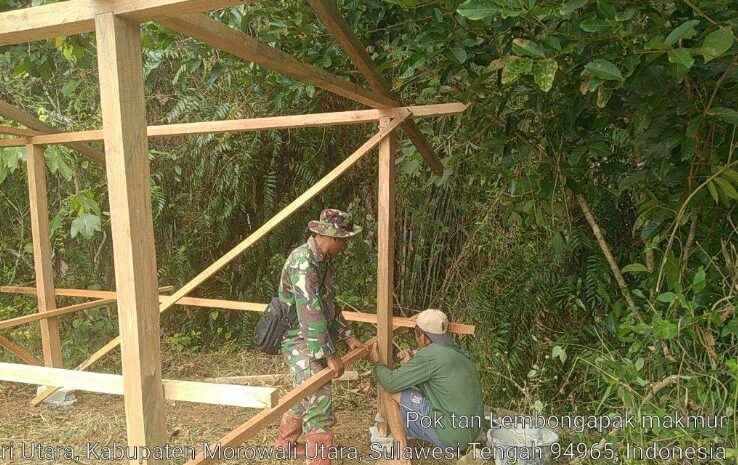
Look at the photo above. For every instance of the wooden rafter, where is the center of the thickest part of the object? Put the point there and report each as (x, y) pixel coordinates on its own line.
(22, 353)
(22, 132)
(250, 124)
(221, 37)
(360, 317)
(77, 16)
(21, 320)
(246, 243)
(332, 18)
(174, 390)
(10, 112)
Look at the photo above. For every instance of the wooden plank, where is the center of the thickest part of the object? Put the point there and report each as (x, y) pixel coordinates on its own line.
(221, 394)
(252, 124)
(129, 187)
(332, 18)
(21, 320)
(18, 131)
(385, 257)
(350, 375)
(267, 416)
(61, 292)
(173, 390)
(284, 213)
(50, 340)
(360, 317)
(219, 36)
(385, 244)
(22, 353)
(10, 112)
(78, 16)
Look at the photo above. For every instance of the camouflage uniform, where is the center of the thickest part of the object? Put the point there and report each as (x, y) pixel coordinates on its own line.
(320, 327)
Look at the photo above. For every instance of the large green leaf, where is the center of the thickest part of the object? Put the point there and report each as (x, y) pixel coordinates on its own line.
(683, 31)
(603, 69)
(717, 43)
(86, 225)
(681, 56)
(571, 6)
(528, 47)
(515, 68)
(635, 268)
(460, 53)
(594, 25)
(726, 114)
(544, 73)
(478, 9)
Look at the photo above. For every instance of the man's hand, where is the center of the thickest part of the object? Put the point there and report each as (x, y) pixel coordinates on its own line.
(335, 364)
(353, 343)
(404, 356)
(373, 353)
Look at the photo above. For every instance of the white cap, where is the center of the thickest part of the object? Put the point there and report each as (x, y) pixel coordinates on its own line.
(434, 324)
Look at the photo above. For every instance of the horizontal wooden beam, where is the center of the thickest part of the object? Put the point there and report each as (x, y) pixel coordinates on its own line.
(359, 317)
(174, 390)
(16, 114)
(5, 324)
(19, 351)
(221, 37)
(78, 16)
(18, 131)
(251, 124)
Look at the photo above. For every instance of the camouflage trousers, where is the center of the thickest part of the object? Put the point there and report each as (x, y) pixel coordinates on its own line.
(316, 409)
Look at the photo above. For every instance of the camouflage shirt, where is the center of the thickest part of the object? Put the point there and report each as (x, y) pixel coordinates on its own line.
(320, 325)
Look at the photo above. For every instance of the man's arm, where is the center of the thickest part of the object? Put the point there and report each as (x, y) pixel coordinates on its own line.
(415, 371)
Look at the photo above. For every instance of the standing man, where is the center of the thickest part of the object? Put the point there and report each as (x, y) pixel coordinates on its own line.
(307, 287)
(436, 383)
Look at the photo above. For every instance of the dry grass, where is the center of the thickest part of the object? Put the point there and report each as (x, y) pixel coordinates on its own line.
(101, 418)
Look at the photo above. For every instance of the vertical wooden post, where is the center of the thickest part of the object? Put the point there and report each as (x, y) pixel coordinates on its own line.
(385, 248)
(42, 254)
(128, 173)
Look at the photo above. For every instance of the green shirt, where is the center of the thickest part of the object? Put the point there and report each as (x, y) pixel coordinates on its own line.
(448, 379)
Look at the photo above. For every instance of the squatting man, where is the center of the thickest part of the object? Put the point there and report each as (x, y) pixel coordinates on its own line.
(435, 394)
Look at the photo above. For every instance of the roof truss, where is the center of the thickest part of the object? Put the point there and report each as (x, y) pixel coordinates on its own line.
(78, 16)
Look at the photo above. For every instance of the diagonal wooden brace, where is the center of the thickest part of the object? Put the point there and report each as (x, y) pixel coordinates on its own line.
(267, 416)
(248, 242)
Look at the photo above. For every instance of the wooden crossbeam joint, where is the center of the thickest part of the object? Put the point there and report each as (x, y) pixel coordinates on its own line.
(332, 18)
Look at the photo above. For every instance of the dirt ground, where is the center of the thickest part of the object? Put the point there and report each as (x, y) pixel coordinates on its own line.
(99, 418)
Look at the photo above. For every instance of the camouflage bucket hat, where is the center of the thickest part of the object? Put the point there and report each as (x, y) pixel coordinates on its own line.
(334, 223)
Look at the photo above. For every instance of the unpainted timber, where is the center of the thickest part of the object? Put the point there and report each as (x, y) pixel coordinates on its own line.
(250, 124)
(359, 317)
(174, 390)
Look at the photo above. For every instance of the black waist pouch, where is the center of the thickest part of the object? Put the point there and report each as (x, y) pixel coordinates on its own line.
(271, 327)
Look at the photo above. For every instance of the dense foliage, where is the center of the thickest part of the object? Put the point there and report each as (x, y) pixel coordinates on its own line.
(585, 221)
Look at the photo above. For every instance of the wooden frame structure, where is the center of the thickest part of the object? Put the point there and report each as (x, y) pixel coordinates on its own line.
(125, 135)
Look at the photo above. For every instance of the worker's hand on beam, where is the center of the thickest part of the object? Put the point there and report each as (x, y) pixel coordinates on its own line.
(404, 356)
(353, 343)
(335, 364)
(373, 353)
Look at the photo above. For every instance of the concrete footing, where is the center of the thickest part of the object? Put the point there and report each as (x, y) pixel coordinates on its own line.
(61, 398)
